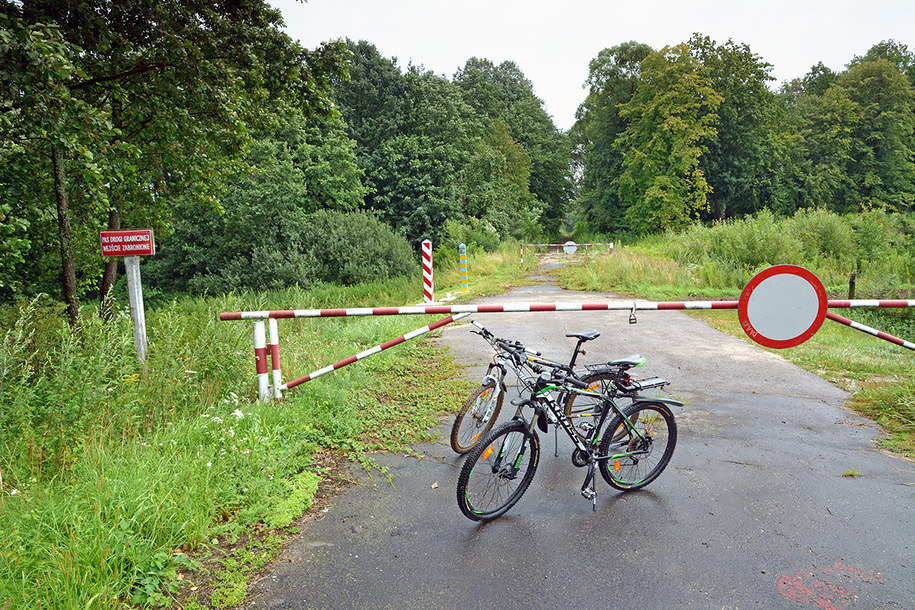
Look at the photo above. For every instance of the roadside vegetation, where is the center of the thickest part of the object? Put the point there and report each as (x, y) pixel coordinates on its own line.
(715, 262)
(119, 484)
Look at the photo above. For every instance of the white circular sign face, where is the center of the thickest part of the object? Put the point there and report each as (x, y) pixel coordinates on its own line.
(570, 247)
(782, 306)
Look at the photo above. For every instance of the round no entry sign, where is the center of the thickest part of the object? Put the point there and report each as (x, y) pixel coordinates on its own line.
(782, 306)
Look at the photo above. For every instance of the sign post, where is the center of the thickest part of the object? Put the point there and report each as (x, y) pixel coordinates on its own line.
(131, 245)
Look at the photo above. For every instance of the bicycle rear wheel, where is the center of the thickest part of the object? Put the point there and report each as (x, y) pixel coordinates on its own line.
(584, 410)
(635, 461)
(498, 471)
(476, 417)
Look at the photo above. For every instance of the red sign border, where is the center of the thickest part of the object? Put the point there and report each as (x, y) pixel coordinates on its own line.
(765, 274)
(152, 242)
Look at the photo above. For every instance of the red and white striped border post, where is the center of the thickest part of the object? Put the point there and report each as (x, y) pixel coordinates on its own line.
(260, 360)
(273, 348)
(374, 350)
(870, 331)
(428, 281)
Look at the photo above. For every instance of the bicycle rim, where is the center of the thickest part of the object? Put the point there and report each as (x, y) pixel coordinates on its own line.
(498, 471)
(476, 417)
(635, 460)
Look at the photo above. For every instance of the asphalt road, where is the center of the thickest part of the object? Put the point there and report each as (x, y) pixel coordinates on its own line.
(752, 512)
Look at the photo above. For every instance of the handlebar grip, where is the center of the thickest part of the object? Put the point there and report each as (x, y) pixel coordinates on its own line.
(578, 383)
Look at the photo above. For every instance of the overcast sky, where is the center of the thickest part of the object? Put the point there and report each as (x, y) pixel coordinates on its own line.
(552, 42)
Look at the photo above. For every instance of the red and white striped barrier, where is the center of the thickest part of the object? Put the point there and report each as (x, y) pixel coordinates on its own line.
(522, 307)
(870, 331)
(428, 281)
(374, 350)
(262, 348)
(609, 245)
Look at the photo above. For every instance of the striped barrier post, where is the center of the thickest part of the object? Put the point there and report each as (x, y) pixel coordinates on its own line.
(273, 348)
(260, 360)
(462, 250)
(428, 282)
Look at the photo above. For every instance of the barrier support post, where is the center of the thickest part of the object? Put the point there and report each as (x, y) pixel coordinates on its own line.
(274, 349)
(428, 281)
(260, 360)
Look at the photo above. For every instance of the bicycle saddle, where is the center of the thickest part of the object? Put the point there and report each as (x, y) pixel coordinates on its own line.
(585, 336)
(628, 361)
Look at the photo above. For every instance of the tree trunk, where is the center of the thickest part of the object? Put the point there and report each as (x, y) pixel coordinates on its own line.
(106, 302)
(66, 240)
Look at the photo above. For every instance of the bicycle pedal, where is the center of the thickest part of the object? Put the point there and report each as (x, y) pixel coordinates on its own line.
(589, 494)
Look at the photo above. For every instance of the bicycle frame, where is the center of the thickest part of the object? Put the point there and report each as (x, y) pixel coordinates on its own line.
(584, 446)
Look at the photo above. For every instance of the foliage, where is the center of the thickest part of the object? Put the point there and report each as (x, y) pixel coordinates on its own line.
(137, 466)
(671, 112)
(156, 101)
(737, 155)
(612, 80)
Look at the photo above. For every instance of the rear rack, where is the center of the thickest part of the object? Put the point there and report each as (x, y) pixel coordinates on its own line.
(637, 385)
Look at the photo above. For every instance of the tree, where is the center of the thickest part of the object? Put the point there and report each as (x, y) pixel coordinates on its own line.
(503, 93)
(672, 111)
(262, 236)
(612, 80)
(371, 99)
(180, 84)
(414, 182)
(736, 160)
(882, 164)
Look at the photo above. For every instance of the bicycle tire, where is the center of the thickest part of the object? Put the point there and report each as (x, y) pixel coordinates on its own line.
(581, 408)
(653, 452)
(471, 422)
(498, 471)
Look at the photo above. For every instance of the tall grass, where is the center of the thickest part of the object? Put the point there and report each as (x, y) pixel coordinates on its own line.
(115, 477)
(718, 260)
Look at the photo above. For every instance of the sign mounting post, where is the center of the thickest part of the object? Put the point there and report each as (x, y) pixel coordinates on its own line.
(131, 245)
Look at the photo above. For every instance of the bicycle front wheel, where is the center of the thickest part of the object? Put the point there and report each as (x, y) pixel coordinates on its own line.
(498, 471)
(633, 460)
(476, 417)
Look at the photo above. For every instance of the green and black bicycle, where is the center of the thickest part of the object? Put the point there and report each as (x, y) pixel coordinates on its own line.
(481, 409)
(629, 445)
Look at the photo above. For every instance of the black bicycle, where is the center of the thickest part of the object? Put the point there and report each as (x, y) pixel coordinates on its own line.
(629, 446)
(482, 407)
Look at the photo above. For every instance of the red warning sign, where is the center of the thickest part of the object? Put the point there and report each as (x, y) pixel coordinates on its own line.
(138, 242)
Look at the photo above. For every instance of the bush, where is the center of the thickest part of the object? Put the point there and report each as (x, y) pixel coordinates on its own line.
(823, 234)
(355, 247)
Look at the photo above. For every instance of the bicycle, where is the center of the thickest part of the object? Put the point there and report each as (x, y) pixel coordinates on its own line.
(482, 407)
(630, 452)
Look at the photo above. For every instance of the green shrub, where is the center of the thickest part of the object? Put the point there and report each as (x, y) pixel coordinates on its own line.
(823, 234)
(354, 247)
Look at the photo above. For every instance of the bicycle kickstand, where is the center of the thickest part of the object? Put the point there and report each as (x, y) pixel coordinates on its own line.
(589, 492)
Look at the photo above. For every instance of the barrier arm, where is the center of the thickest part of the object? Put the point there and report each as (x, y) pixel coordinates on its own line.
(871, 331)
(374, 350)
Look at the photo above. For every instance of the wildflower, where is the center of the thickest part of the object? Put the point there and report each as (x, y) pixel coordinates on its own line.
(238, 414)
(209, 464)
(13, 492)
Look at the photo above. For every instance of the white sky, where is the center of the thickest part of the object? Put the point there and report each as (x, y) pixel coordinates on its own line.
(553, 41)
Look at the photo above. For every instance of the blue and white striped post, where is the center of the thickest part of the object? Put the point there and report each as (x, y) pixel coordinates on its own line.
(463, 250)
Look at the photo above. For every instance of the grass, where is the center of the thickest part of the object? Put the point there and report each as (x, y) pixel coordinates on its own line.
(120, 485)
